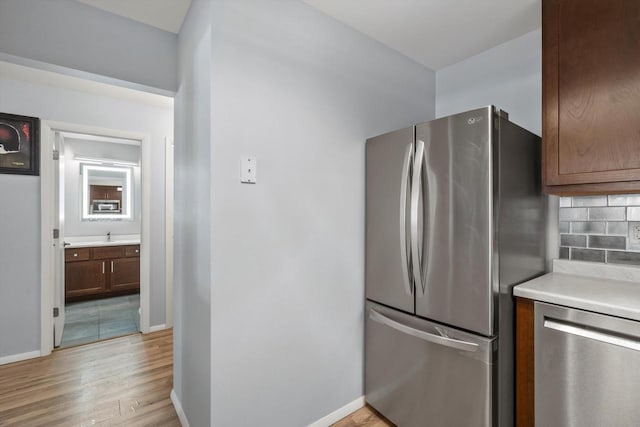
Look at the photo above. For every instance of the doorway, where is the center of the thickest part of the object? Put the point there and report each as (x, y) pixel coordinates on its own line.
(95, 207)
(98, 223)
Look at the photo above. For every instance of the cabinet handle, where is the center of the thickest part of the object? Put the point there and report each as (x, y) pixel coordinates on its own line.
(75, 254)
(102, 267)
(112, 266)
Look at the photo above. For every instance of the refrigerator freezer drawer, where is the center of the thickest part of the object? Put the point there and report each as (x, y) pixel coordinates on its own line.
(419, 373)
(587, 369)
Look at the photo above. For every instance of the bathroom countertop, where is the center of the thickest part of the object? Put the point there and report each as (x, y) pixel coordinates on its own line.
(602, 288)
(96, 241)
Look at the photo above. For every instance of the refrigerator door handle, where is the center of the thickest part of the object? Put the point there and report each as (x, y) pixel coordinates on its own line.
(415, 211)
(403, 220)
(426, 336)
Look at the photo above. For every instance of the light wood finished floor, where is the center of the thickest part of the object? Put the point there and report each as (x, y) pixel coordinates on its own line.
(120, 382)
(364, 417)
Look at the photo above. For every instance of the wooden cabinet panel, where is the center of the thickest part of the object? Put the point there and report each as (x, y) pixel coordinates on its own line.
(77, 254)
(132, 251)
(125, 273)
(107, 252)
(591, 96)
(105, 192)
(85, 278)
(525, 411)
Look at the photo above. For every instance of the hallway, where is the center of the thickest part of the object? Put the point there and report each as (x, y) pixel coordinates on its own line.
(124, 381)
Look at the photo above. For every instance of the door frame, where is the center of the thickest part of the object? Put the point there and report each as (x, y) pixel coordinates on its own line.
(47, 195)
(169, 234)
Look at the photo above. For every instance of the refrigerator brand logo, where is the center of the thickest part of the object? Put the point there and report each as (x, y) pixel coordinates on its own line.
(474, 120)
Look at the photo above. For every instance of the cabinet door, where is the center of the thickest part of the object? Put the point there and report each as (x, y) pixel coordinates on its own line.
(85, 278)
(125, 274)
(591, 95)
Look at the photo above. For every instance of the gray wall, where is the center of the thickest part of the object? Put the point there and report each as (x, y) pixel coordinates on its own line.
(301, 92)
(192, 268)
(74, 225)
(20, 196)
(19, 262)
(80, 37)
(510, 77)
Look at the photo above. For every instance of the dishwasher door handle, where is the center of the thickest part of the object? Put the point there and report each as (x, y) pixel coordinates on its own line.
(592, 334)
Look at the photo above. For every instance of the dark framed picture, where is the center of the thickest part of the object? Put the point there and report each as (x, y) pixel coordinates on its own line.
(19, 144)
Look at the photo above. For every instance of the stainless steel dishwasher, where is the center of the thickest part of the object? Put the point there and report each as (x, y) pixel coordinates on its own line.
(587, 369)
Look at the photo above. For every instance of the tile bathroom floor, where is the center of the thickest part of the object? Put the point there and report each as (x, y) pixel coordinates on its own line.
(91, 321)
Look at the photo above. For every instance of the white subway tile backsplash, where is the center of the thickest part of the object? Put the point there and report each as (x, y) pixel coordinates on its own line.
(633, 214)
(588, 227)
(618, 227)
(589, 201)
(607, 214)
(624, 200)
(573, 240)
(617, 257)
(587, 255)
(596, 228)
(608, 242)
(573, 214)
(564, 253)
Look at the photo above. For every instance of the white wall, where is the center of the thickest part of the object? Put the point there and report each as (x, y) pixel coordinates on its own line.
(74, 225)
(192, 230)
(301, 92)
(20, 206)
(79, 37)
(508, 76)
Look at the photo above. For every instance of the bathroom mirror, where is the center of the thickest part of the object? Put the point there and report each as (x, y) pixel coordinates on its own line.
(106, 192)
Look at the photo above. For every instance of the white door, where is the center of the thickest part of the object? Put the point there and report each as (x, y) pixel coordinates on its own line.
(58, 296)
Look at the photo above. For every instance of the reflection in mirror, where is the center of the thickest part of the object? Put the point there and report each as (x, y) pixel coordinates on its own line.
(106, 192)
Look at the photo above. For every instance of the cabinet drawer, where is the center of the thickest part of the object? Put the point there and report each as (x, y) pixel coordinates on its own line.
(79, 254)
(107, 252)
(131, 251)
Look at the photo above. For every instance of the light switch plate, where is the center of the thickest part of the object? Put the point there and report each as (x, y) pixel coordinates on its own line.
(248, 170)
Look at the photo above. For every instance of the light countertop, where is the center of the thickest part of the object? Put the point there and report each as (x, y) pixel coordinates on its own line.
(602, 288)
(97, 241)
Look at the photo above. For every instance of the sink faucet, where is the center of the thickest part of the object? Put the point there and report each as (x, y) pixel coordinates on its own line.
(109, 236)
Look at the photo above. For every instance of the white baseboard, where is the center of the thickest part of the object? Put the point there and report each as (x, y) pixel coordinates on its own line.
(339, 414)
(178, 406)
(19, 357)
(157, 328)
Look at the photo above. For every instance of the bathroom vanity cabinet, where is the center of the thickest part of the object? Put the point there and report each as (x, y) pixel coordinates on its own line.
(101, 272)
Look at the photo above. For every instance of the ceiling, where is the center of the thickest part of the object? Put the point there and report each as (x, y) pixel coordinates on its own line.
(167, 15)
(437, 33)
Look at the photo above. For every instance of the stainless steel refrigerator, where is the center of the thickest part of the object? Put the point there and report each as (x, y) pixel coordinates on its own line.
(455, 218)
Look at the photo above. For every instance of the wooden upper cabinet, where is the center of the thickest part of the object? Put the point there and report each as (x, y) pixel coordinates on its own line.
(591, 96)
